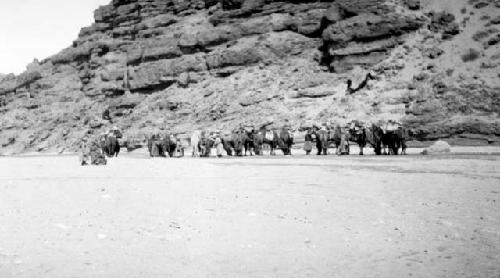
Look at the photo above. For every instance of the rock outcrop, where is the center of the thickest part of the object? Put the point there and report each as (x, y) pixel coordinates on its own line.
(365, 39)
(215, 63)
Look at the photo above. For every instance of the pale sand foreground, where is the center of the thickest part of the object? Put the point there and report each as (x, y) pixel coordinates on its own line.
(251, 217)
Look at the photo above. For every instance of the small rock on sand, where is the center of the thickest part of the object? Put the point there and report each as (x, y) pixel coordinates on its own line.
(102, 236)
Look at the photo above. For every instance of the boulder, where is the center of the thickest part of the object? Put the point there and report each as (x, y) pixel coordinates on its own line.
(95, 124)
(43, 146)
(184, 79)
(439, 147)
(333, 14)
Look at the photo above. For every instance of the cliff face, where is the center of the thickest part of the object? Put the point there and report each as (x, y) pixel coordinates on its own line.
(179, 64)
(147, 46)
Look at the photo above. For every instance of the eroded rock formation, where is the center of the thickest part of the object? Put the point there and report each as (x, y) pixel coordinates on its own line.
(179, 64)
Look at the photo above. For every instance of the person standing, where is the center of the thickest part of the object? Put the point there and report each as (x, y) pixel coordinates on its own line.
(308, 142)
(344, 141)
(219, 148)
(179, 148)
(84, 151)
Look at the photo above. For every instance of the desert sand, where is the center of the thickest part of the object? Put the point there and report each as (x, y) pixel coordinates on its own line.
(411, 216)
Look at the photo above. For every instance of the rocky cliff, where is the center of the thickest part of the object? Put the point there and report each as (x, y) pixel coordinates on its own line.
(179, 65)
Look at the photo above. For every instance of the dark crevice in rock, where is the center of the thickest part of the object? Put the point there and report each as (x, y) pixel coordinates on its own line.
(151, 58)
(153, 88)
(114, 93)
(189, 50)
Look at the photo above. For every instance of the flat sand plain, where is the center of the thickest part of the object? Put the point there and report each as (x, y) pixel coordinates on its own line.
(411, 216)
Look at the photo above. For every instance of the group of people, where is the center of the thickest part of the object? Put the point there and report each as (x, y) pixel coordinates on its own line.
(203, 141)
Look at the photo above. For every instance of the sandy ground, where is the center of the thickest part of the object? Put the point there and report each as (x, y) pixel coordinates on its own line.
(413, 216)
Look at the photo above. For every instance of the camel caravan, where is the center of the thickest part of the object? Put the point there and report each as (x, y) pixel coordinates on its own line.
(386, 139)
(242, 141)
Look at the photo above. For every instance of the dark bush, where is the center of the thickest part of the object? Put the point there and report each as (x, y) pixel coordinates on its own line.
(470, 55)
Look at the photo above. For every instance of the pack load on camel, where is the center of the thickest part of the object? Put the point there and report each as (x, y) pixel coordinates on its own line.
(269, 135)
(110, 142)
(391, 126)
(266, 137)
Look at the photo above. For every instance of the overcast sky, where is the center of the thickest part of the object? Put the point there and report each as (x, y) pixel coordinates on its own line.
(40, 28)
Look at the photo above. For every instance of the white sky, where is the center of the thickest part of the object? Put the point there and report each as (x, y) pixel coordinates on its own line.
(40, 28)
